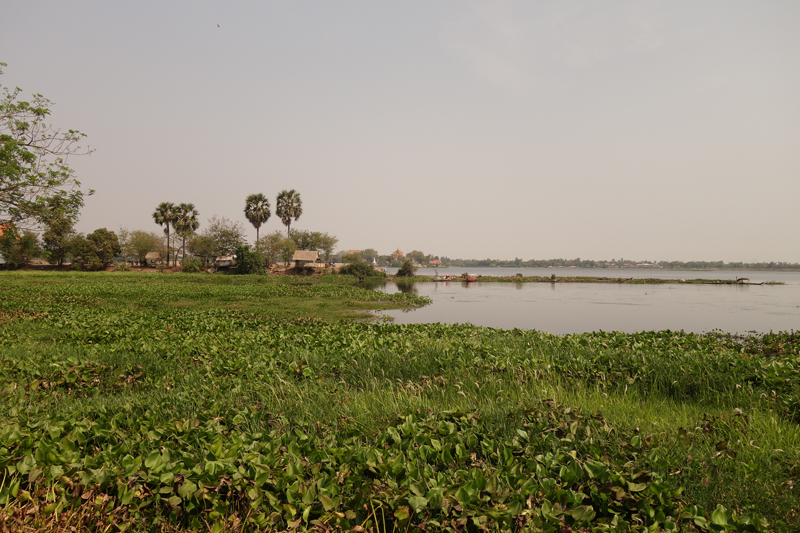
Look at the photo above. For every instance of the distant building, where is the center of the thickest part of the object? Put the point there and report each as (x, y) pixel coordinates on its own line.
(305, 256)
(435, 262)
(152, 258)
(397, 255)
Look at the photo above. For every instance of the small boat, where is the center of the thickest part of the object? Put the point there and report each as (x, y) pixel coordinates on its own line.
(470, 277)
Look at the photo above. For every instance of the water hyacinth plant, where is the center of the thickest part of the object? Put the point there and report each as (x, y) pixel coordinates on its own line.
(240, 403)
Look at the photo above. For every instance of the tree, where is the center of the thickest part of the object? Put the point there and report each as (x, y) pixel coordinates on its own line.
(327, 244)
(33, 161)
(352, 258)
(203, 246)
(369, 254)
(55, 240)
(270, 246)
(408, 269)
(288, 206)
(140, 243)
(417, 256)
(221, 237)
(256, 209)
(105, 244)
(314, 240)
(164, 215)
(186, 223)
(248, 261)
(288, 248)
(18, 248)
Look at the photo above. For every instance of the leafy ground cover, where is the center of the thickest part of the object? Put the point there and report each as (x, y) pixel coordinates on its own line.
(169, 403)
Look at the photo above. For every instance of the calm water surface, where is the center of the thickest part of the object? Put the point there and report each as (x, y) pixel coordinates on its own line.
(581, 307)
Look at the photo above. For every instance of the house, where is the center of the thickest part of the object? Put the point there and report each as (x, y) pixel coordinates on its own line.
(152, 258)
(436, 262)
(225, 261)
(305, 256)
(397, 255)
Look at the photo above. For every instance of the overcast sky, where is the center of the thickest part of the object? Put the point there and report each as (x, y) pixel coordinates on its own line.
(644, 130)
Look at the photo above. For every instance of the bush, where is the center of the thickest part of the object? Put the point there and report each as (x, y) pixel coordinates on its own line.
(122, 267)
(248, 261)
(361, 271)
(406, 270)
(192, 265)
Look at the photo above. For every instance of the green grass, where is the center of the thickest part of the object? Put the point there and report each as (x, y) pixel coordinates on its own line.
(170, 402)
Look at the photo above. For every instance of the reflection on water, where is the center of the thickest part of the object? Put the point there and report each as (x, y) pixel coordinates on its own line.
(406, 287)
(580, 307)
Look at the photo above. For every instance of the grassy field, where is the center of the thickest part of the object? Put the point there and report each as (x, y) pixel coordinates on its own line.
(177, 402)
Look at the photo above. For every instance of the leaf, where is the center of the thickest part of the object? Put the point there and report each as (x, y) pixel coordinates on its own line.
(152, 460)
(583, 513)
(326, 502)
(401, 513)
(636, 487)
(719, 516)
(417, 503)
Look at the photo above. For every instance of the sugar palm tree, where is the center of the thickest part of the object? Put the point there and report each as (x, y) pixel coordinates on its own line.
(288, 206)
(164, 215)
(256, 209)
(185, 222)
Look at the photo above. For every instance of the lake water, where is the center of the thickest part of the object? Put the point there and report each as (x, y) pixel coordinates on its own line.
(581, 307)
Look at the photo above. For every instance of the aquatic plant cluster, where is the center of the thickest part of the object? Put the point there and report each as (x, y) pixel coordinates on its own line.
(163, 403)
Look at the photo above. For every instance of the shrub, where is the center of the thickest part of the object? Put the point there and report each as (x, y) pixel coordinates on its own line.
(361, 271)
(122, 267)
(192, 265)
(161, 267)
(248, 261)
(406, 270)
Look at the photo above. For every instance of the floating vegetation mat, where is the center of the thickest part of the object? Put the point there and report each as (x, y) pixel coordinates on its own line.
(121, 411)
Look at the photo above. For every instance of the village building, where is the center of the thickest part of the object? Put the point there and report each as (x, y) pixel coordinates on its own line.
(153, 258)
(397, 255)
(301, 257)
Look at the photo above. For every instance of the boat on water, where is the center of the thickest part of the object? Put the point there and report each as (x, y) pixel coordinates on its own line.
(469, 277)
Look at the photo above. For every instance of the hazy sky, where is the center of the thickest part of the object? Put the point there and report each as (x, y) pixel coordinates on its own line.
(644, 130)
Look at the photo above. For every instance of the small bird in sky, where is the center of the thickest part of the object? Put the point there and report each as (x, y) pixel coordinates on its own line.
(217, 25)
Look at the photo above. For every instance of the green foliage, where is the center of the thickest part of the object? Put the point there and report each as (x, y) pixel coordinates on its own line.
(221, 237)
(182, 401)
(408, 269)
(122, 267)
(361, 271)
(353, 258)
(166, 215)
(287, 249)
(35, 181)
(256, 210)
(18, 248)
(248, 261)
(186, 223)
(314, 240)
(105, 244)
(192, 265)
(288, 206)
(59, 225)
(270, 246)
(140, 243)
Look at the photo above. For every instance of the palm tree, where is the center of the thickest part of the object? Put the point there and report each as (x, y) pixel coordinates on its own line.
(256, 209)
(185, 222)
(288, 206)
(164, 215)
